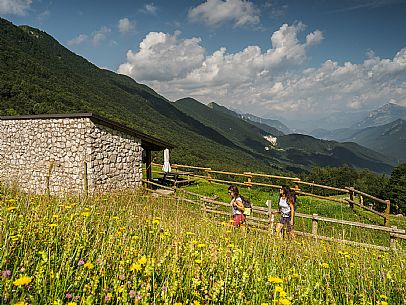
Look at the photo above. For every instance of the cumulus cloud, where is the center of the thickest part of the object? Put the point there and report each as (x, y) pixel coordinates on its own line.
(266, 81)
(216, 12)
(125, 25)
(41, 17)
(15, 7)
(100, 35)
(81, 38)
(96, 38)
(149, 8)
(163, 57)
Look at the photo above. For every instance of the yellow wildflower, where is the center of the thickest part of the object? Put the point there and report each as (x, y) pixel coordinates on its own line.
(136, 267)
(275, 280)
(178, 303)
(278, 289)
(21, 303)
(142, 260)
(190, 233)
(384, 303)
(11, 208)
(72, 303)
(155, 222)
(24, 280)
(85, 214)
(284, 301)
(198, 261)
(196, 303)
(382, 296)
(201, 245)
(325, 265)
(88, 265)
(52, 225)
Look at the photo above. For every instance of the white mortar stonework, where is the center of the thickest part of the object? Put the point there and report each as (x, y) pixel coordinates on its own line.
(43, 155)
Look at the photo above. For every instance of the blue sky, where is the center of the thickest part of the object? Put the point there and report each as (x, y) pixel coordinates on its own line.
(309, 58)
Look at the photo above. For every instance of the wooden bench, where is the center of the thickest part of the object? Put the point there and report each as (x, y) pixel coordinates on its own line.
(175, 179)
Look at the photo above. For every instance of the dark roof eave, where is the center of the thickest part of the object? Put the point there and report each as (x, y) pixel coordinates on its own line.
(147, 142)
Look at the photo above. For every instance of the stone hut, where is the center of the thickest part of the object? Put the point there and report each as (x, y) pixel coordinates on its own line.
(73, 153)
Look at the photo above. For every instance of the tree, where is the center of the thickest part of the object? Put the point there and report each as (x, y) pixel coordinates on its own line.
(397, 189)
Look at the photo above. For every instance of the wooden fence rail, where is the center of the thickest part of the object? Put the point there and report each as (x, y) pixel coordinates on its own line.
(249, 183)
(208, 206)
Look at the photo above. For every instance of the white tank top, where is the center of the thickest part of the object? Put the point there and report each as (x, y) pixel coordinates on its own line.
(284, 207)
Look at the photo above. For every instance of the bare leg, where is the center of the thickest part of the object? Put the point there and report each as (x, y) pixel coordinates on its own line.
(278, 229)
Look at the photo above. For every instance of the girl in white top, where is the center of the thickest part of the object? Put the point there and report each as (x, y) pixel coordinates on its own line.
(287, 209)
(237, 206)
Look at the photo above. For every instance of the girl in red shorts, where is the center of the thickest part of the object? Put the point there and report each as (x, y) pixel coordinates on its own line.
(237, 207)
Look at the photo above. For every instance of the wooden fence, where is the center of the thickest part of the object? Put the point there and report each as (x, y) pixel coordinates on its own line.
(265, 218)
(249, 177)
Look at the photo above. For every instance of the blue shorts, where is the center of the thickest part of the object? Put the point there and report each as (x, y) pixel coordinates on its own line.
(286, 222)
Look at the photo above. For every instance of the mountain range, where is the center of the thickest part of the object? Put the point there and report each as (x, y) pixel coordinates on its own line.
(38, 75)
(386, 114)
(383, 130)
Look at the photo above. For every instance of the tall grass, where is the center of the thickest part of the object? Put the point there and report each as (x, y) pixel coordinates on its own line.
(133, 248)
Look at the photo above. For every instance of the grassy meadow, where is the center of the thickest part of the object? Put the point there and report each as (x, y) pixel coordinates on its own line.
(134, 248)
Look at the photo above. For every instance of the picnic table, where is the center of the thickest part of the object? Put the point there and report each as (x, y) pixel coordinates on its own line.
(176, 179)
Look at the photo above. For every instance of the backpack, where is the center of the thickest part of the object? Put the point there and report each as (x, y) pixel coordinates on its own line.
(247, 206)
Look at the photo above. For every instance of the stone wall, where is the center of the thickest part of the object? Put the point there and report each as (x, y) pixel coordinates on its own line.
(43, 155)
(115, 160)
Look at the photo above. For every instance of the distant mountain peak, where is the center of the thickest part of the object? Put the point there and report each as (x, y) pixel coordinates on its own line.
(383, 115)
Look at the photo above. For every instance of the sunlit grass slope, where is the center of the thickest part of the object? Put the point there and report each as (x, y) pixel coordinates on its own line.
(132, 248)
(310, 205)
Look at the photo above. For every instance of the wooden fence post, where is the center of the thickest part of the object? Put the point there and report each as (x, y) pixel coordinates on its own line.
(393, 238)
(48, 178)
(271, 216)
(387, 211)
(204, 206)
(352, 199)
(315, 224)
(249, 182)
(208, 174)
(85, 180)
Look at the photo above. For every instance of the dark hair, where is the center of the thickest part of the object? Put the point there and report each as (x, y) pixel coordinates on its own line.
(285, 190)
(234, 189)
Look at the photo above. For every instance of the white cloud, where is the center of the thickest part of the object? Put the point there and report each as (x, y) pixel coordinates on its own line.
(216, 12)
(263, 81)
(43, 16)
(149, 8)
(100, 35)
(125, 25)
(163, 57)
(15, 7)
(81, 38)
(96, 38)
